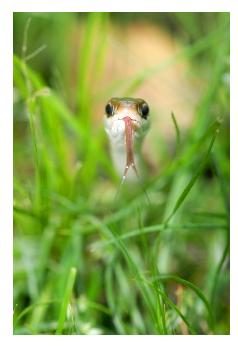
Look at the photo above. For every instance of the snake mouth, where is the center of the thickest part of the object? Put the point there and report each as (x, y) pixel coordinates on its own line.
(136, 124)
(116, 126)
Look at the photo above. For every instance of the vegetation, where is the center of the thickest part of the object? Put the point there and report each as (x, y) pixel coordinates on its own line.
(85, 263)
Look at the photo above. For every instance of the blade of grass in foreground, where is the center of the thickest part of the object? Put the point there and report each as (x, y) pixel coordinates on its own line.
(30, 308)
(176, 129)
(54, 102)
(175, 308)
(195, 176)
(195, 289)
(66, 299)
(218, 271)
(159, 227)
(110, 297)
(142, 285)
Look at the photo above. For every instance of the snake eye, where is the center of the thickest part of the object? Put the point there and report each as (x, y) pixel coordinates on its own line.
(109, 110)
(144, 110)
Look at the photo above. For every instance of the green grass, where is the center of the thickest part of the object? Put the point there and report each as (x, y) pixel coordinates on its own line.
(85, 263)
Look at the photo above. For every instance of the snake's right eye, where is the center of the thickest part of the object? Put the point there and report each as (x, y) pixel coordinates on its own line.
(109, 110)
(144, 110)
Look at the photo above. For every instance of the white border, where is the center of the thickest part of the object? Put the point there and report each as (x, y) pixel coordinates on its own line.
(6, 201)
(7, 8)
(121, 5)
(234, 174)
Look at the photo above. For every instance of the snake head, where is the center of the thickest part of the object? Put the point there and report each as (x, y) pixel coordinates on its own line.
(119, 108)
(126, 122)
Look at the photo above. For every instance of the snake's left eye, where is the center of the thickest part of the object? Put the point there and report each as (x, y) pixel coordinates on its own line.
(144, 110)
(109, 110)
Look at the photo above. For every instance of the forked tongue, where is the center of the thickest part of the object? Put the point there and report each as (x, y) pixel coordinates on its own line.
(130, 162)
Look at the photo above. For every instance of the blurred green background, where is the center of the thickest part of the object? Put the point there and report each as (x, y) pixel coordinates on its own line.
(85, 263)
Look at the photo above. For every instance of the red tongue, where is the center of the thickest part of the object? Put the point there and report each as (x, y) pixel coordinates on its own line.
(129, 146)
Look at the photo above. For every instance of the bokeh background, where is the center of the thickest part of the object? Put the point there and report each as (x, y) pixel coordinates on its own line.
(85, 263)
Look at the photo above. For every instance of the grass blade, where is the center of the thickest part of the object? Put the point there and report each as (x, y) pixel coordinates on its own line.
(175, 308)
(195, 289)
(176, 128)
(66, 300)
(194, 178)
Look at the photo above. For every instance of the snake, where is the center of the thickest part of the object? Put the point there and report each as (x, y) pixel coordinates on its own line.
(126, 122)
